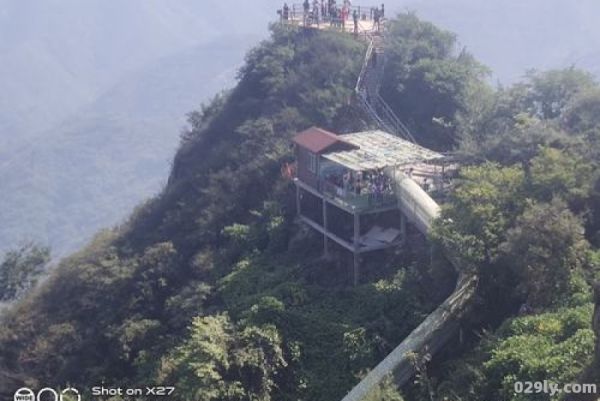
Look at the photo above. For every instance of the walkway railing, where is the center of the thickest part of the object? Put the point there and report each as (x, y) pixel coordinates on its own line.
(359, 201)
(364, 12)
(360, 83)
(368, 92)
(389, 116)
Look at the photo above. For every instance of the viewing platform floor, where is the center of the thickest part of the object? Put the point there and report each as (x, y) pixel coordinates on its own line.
(365, 27)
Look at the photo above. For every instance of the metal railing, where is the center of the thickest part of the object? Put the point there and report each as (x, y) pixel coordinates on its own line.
(390, 116)
(297, 15)
(372, 102)
(365, 66)
(358, 201)
(365, 13)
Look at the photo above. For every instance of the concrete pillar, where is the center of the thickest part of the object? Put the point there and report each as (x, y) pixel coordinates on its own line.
(298, 210)
(356, 230)
(356, 266)
(325, 239)
(356, 263)
(403, 227)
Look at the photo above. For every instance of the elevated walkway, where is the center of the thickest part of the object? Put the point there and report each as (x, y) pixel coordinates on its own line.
(441, 325)
(416, 205)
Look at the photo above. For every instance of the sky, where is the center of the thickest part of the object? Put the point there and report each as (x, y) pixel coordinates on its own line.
(513, 36)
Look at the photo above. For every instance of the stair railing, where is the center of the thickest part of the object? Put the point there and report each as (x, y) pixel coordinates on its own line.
(373, 103)
(365, 67)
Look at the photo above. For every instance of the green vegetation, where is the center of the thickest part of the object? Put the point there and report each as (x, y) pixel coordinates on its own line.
(528, 223)
(554, 346)
(20, 270)
(212, 287)
(428, 80)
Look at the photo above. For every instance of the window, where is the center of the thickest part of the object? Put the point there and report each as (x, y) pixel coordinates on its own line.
(312, 162)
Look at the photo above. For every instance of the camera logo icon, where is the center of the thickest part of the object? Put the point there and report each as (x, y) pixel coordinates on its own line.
(24, 394)
(27, 394)
(72, 391)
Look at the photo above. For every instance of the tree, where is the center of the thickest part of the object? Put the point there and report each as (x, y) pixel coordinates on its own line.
(560, 173)
(483, 207)
(550, 92)
(427, 80)
(508, 126)
(519, 142)
(21, 269)
(582, 114)
(554, 346)
(385, 391)
(546, 246)
(224, 361)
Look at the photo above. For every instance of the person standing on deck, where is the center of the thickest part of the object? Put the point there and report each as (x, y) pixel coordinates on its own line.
(355, 18)
(323, 10)
(344, 16)
(382, 10)
(348, 5)
(286, 12)
(335, 22)
(376, 18)
(358, 183)
(306, 6)
(346, 183)
(315, 12)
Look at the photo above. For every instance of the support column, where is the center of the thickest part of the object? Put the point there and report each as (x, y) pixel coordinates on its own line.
(325, 240)
(403, 227)
(356, 268)
(298, 211)
(356, 246)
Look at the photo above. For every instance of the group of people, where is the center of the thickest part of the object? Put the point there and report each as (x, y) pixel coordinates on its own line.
(328, 10)
(436, 183)
(376, 184)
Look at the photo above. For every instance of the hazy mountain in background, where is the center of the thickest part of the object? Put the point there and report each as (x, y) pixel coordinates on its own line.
(91, 169)
(93, 96)
(511, 36)
(94, 93)
(59, 54)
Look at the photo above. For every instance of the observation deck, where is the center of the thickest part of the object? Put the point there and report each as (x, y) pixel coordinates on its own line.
(346, 186)
(369, 21)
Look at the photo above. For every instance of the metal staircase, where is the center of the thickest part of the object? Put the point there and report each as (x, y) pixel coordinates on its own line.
(367, 89)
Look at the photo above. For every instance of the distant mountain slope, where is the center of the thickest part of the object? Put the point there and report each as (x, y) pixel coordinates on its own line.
(79, 74)
(92, 169)
(58, 55)
(511, 36)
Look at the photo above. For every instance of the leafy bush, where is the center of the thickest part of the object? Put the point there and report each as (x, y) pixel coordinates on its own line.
(20, 270)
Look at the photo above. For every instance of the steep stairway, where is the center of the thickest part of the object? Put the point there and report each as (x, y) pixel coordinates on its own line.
(367, 89)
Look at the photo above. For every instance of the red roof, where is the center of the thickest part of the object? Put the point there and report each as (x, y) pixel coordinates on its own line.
(318, 140)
